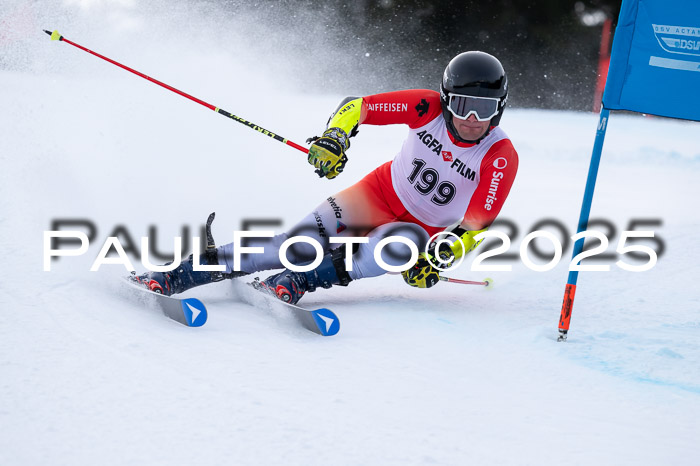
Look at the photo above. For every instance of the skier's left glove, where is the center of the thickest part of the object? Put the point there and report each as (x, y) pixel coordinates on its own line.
(422, 274)
(426, 271)
(327, 153)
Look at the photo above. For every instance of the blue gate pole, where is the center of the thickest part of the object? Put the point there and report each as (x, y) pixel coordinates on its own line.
(570, 289)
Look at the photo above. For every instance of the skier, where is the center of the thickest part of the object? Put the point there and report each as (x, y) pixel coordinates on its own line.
(456, 167)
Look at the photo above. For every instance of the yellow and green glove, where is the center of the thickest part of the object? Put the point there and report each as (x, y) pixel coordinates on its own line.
(327, 153)
(422, 274)
(426, 271)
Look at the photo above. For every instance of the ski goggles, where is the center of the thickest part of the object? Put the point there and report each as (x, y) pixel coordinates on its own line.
(483, 108)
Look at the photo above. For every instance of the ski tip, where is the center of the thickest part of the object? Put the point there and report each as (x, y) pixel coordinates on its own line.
(195, 312)
(328, 323)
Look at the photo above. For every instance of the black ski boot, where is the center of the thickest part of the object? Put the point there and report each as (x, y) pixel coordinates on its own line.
(290, 286)
(180, 279)
(184, 276)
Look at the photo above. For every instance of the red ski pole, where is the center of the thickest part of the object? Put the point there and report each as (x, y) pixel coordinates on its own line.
(56, 36)
(488, 283)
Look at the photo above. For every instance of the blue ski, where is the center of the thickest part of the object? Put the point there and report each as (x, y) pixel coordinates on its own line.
(187, 311)
(322, 321)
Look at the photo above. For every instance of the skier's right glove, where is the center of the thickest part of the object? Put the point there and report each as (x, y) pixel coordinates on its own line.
(327, 153)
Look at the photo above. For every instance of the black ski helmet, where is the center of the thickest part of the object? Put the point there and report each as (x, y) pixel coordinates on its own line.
(476, 74)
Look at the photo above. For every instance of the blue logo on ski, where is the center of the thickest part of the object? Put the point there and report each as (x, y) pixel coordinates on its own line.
(195, 312)
(327, 322)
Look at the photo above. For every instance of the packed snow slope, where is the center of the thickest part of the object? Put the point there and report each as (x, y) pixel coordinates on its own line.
(450, 375)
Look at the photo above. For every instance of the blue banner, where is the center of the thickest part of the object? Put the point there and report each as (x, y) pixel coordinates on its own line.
(655, 61)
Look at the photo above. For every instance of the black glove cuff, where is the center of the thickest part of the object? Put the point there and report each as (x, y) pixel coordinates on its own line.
(330, 145)
(338, 135)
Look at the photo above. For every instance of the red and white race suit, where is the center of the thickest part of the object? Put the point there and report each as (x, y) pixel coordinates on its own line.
(432, 183)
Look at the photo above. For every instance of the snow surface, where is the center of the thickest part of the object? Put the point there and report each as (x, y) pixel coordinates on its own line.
(450, 375)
